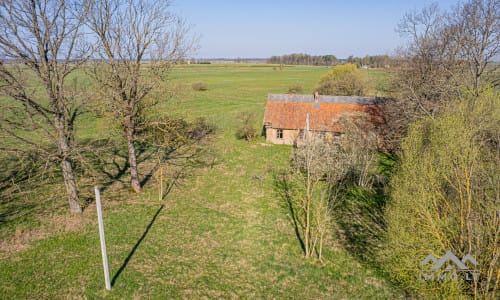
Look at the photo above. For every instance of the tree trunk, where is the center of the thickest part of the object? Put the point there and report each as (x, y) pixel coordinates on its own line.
(70, 183)
(67, 166)
(307, 225)
(132, 160)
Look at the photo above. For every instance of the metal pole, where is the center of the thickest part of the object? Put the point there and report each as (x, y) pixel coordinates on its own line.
(101, 236)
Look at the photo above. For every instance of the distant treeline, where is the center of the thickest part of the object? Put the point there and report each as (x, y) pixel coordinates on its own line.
(375, 61)
(303, 59)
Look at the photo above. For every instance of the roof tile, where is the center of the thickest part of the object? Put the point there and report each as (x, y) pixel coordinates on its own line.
(292, 114)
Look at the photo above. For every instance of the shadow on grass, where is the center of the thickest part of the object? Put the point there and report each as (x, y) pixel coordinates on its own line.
(283, 187)
(106, 161)
(137, 244)
(96, 161)
(358, 213)
(187, 160)
(360, 217)
(359, 220)
(23, 176)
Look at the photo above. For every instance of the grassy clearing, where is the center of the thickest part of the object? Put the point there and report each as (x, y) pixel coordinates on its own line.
(222, 232)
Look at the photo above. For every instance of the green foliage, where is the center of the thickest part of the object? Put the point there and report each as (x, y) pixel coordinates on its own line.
(445, 195)
(303, 59)
(343, 80)
(199, 86)
(339, 71)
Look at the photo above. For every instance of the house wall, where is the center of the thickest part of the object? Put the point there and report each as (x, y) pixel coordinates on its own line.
(289, 136)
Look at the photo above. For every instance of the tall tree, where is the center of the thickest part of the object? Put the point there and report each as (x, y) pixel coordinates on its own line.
(310, 165)
(321, 168)
(477, 23)
(445, 196)
(137, 43)
(38, 50)
(447, 52)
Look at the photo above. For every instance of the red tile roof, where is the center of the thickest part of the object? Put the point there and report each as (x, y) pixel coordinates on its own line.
(290, 111)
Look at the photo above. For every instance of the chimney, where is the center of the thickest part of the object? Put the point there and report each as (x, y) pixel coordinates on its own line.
(316, 99)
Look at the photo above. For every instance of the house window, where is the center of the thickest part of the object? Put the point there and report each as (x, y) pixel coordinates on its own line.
(301, 134)
(279, 133)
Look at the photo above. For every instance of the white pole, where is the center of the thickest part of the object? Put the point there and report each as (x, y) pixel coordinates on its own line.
(101, 236)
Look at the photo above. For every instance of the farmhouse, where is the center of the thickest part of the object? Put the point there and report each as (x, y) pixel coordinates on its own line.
(289, 116)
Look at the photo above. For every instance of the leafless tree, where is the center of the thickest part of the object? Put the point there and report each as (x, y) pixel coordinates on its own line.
(447, 53)
(356, 154)
(311, 161)
(321, 168)
(477, 26)
(430, 74)
(137, 43)
(39, 48)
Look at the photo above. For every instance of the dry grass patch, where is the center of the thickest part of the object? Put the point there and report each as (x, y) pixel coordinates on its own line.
(52, 225)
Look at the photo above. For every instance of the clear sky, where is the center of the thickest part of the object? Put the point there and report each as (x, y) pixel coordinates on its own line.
(260, 29)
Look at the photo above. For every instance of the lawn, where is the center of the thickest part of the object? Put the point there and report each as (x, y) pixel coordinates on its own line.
(222, 231)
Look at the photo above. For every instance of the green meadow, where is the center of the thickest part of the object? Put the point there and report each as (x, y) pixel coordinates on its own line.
(223, 229)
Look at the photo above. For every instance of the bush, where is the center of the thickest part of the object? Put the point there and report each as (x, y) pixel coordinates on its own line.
(199, 86)
(200, 128)
(445, 198)
(295, 89)
(339, 71)
(247, 130)
(343, 80)
(169, 132)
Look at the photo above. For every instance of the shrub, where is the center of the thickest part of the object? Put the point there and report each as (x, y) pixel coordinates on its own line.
(200, 128)
(445, 198)
(343, 80)
(295, 89)
(199, 86)
(246, 129)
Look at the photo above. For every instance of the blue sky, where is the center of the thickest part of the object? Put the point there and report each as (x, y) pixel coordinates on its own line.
(259, 28)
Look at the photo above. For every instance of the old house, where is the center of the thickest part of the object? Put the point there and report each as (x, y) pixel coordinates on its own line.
(288, 116)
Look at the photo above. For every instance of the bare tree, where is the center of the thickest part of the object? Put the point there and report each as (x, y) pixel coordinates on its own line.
(477, 26)
(311, 161)
(356, 154)
(447, 53)
(321, 170)
(39, 42)
(137, 43)
(430, 73)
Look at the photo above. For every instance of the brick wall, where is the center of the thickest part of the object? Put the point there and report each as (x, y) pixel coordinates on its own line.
(289, 136)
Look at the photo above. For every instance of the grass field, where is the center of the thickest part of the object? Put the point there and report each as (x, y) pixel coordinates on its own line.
(222, 232)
